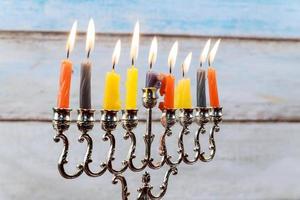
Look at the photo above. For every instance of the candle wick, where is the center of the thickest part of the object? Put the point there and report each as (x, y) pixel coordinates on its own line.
(170, 69)
(114, 64)
(150, 65)
(68, 53)
(132, 62)
(200, 64)
(209, 63)
(182, 71)
(88, 53)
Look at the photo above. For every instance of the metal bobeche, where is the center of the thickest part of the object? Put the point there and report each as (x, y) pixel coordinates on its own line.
(108, 119)
(85, 119)
(129, 121)
(61, 119)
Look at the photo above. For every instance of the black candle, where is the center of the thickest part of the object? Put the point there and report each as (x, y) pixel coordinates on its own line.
(85, 85)
(201, 88)
(201, 77)
(85, 72)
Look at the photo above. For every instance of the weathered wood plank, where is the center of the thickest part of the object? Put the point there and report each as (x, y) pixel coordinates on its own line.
(264, 17)
(251, 161)
(257, 80)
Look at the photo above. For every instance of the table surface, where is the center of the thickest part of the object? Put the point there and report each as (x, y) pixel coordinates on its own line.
(253, 161)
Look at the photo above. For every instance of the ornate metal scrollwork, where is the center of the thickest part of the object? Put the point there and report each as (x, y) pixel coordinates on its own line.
(129, 121)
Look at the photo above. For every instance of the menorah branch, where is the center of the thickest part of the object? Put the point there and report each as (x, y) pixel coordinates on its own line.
(61, 123)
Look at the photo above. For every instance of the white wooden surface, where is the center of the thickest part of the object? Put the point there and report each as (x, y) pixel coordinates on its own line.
(252, 162)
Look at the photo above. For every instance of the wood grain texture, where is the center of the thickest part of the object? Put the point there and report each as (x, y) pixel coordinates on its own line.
(252, 162)
(239, 17)
(257, 80)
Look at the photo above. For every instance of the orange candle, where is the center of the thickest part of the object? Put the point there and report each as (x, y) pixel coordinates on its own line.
(167, 89)
(63, 98)
(212, 78)
(168, 81)
(213, 88)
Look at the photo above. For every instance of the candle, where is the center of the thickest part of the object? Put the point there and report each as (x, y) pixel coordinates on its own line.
(168, 81)
(132, 72)
(201, 77)
(212, 79)
(183, 97)
(85, 72)
(152, 77)
(111, 99)
(63, 98)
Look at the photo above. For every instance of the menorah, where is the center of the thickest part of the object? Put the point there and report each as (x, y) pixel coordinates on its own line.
(109, 121)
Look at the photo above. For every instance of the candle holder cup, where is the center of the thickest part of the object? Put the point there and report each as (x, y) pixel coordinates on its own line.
(85, 119)
(129, 119)
(108, 120)
(129, 122)
(61, 119)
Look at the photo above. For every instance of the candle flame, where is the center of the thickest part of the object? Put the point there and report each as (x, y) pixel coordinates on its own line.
(213, 52)
(153, 52)
(71, 39)
(187, 62)
(205, 51)
(173, 55)
(135, 42)
(116, 53)
(90, 36)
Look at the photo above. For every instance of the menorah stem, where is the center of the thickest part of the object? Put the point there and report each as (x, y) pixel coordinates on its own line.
(149, 101)
(148, 136)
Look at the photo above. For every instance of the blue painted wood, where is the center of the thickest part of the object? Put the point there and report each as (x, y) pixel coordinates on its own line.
(258, 17)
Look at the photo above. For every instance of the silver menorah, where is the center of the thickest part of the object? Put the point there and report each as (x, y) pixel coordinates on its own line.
(129, 121)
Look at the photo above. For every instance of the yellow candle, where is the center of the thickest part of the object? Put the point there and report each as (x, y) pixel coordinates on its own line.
(132, 72)
(183, 97)
(111, 99)
(131, 88)
(112, 91)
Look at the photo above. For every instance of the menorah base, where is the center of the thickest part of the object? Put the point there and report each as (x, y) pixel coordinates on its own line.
(145, 192)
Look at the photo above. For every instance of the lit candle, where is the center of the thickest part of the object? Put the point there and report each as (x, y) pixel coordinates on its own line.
(111, 99)
(183, 97)
(212, 79)
(152, 77)
(63, 98)
(132, 72)
(201, 77)
(85, 72)
(168, 81)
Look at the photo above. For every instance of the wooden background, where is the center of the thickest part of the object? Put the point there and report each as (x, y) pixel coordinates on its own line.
(257, 149)
(258, 74)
